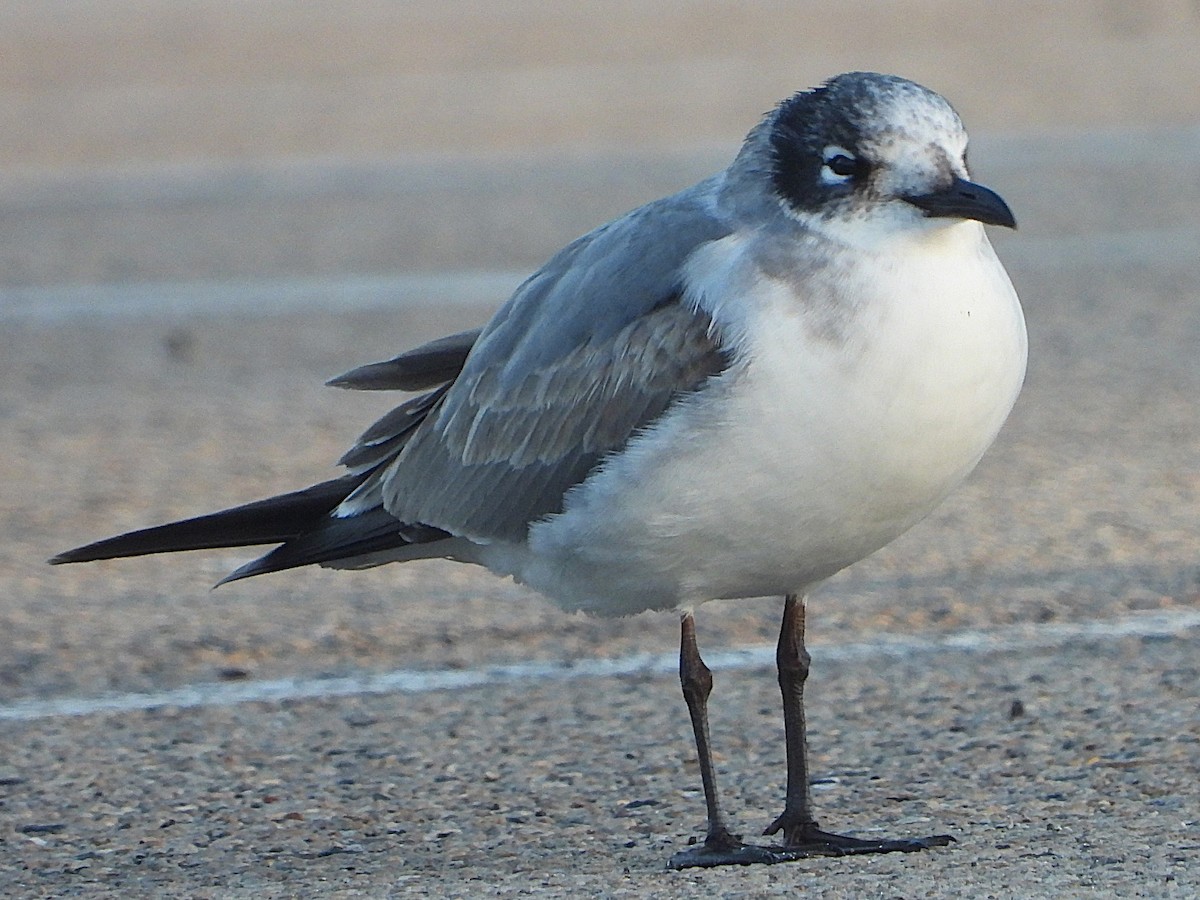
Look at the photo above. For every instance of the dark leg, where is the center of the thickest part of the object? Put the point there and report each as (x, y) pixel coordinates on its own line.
(720, 847)
(792, 661)
(697, 682)
(801, 834)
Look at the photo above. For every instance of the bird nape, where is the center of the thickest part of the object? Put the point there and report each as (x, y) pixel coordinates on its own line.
(735, 391)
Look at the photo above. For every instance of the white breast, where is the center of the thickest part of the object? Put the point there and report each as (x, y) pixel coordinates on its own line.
(863, 394)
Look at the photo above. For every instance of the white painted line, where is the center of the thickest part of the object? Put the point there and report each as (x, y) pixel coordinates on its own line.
(257, 298)
(265, 297)
(408, 681)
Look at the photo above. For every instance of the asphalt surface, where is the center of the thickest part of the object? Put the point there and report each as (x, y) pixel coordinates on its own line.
(1020, 670)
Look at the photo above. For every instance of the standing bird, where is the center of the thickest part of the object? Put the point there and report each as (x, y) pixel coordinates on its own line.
(735, 391)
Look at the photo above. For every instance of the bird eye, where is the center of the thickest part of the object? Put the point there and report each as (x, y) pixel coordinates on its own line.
(840, 165)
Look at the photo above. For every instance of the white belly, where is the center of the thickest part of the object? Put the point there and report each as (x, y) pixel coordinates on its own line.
(831, 437)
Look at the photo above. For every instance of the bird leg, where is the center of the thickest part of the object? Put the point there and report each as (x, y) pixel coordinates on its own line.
(697, 682)
(792, 661)
(802, 837)
(721, 847)
(801, 834)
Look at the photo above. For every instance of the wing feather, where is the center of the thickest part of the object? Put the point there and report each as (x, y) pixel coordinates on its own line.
(418, 369)
(590, 349)
(504, 458)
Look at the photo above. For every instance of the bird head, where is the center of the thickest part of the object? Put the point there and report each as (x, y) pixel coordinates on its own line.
(866, 151)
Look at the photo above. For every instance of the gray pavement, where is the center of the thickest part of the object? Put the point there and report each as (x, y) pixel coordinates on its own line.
(1020, 670)
(1072, 780)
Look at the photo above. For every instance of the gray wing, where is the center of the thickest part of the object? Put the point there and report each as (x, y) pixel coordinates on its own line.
(429, 365)
(591, 348)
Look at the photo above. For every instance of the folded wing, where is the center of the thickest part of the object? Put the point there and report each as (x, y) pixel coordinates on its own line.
(591, 348)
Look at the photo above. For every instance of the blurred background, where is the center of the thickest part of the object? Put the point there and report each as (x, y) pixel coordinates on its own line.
(208, 207)
(223, 139)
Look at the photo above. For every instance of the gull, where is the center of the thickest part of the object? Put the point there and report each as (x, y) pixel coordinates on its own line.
(732, 392)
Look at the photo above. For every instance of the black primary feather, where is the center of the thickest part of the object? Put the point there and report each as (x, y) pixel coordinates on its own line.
(269, 521)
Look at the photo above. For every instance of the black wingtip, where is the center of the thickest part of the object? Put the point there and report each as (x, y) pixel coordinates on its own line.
(268, 521)
(249, 570)
(374, 531)
(106, 549)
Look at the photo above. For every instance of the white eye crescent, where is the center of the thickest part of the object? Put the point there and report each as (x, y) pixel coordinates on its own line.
(841, 166)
